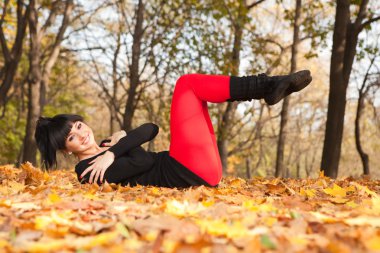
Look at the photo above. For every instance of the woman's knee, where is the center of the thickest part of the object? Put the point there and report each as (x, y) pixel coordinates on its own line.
(185, 80)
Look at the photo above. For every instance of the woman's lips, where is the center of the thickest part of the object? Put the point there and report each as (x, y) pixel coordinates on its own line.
(87, 139)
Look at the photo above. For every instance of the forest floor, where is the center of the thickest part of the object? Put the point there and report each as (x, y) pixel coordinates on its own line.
(42, 212)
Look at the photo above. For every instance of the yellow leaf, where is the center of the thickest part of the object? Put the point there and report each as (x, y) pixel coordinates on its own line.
(26, 206)
(339, 200)
(46, 176)
(79, 243)
(365, 189)
(351, 204)
(155, 191)
(54, 198)
(5, 203)
(350, 188)
(15, 187)
(269, 221)
(298, 240)
(373, 243)
(237, 182)
(43, 221)
(208, 203)
(3, 244)
(363, 220)
(46, 246)
(182, 209)
(376, 205)
(103, 238)
(220, 228)
(310, 193)
(336, 191)
(151, 235)
(323, 217)
(91, 196)
(253, 206)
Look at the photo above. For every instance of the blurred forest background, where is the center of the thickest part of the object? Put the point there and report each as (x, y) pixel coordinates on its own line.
(116, 63)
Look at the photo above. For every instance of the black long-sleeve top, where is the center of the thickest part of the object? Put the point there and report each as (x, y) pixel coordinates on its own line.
(133, 165)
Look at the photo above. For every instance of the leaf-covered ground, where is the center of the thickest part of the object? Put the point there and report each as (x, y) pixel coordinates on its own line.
(53, 212)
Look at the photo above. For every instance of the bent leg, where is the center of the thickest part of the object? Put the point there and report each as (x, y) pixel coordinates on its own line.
(193, 141)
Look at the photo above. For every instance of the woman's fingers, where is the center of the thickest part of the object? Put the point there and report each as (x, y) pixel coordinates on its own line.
(86, 171)
(92, 175)
(96, 176)
(97, 158)
(98, 167)
(102, 175)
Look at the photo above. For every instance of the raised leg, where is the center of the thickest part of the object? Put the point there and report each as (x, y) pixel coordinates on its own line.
(192, 141)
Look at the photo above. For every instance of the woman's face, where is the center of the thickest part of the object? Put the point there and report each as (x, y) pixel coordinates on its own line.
(80, 138)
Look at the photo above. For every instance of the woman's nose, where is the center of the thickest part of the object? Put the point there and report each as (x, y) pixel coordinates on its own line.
(82, 135)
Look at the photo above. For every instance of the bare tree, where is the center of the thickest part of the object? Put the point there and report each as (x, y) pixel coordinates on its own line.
(345, 40)
(285, 105)
(12, 56)
(39, 70)
(225, 121)
(363, 92)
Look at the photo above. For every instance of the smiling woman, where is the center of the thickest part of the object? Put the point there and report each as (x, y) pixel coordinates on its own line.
(51, 136)
(193, 156)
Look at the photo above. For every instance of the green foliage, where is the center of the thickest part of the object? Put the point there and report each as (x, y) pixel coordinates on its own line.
(267, 242)
(66, 94)
(12, 128)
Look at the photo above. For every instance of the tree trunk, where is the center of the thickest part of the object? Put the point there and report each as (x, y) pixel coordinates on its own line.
(12, 57)
(34, 82)
(345, 40)
(298, 172)
(284, 112)
(362, 94)
(248, 167)
(363, 156)
(343, 53)
(115, 88)
(55, 51)
(134, 68)
(226, 120)
(337, 94)
(39, 75)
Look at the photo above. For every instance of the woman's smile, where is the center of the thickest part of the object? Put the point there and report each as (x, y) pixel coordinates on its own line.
(86, 139)
(80, 138)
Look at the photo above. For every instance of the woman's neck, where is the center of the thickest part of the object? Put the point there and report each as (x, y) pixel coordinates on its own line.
(91, 151)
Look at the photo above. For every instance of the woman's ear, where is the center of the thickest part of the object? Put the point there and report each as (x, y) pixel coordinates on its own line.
(66, 152)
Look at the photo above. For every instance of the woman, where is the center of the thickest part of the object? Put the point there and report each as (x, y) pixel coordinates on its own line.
(193, 157)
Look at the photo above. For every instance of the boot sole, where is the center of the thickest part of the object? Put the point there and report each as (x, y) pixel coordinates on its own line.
(293, 83)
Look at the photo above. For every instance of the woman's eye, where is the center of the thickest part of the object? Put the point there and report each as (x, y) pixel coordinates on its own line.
(79, 125)
(71, 138)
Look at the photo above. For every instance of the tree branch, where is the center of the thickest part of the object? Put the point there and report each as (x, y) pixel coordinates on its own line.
(3, 41)
(51, 18)
(56, 47)
(254, 4)
(4, 12)
(368, 22)
(362, 13)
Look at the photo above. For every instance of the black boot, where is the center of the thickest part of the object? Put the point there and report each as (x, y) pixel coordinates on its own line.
(271, 88)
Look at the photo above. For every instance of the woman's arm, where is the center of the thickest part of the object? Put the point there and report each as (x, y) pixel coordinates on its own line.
(134, 138)
(112, 140)
(136, 162)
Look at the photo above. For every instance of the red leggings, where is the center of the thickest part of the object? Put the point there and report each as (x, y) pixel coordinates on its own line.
(192, 141)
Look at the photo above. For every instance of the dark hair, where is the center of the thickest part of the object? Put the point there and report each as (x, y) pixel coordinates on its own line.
(51, 134)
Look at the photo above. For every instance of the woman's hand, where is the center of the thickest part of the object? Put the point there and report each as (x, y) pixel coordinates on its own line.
(114, 138)
(99, 167)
